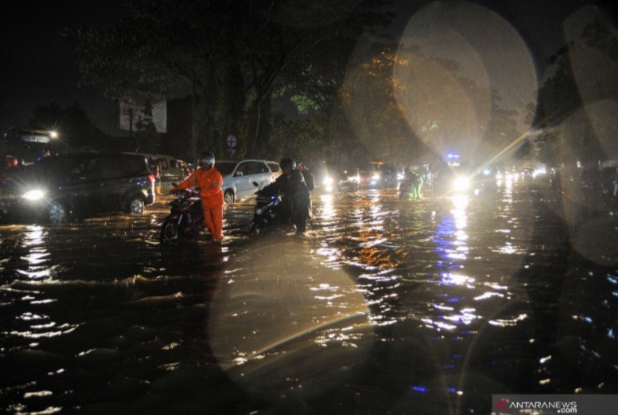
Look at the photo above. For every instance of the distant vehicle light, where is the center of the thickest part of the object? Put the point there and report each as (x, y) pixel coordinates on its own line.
(376, 176)
(539, 172)
(34, 195)
(453, 159)
(328, 181)
(461, 183)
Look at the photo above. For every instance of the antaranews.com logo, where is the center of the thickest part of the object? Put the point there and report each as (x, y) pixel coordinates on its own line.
(548, 406)
(588, 404)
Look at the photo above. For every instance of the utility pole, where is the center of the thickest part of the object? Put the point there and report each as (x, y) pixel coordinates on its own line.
(193, 138)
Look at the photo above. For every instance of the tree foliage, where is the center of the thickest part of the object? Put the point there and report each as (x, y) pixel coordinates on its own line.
(233, 52)
(585, 73)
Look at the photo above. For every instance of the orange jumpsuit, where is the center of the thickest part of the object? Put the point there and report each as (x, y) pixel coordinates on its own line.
(209, 182)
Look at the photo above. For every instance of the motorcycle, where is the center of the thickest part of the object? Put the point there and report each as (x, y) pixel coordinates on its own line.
(186, 218)
(407, 187)
(267, 214)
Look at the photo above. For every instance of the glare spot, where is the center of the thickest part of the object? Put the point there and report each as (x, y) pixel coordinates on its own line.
(545, 359)
(455, 279)
(509, 323)
(507, 249)
(37, 394)
(488, 295)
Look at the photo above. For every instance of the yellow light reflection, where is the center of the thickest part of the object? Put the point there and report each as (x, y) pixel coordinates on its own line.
(460, 202)
(328, 209)
(507, 249)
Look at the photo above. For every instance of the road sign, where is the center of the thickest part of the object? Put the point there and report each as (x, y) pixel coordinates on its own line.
(231, 141)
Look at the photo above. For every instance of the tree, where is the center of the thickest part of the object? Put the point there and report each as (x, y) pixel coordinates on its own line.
(178, 139)
(161, 43)
(584, 77)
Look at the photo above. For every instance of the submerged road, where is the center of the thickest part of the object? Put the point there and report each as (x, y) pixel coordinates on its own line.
(387, 306)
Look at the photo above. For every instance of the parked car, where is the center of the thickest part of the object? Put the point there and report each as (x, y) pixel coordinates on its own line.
(60, 187)
(275, 169)
(239, 176)
(378, 175)
(171, 168)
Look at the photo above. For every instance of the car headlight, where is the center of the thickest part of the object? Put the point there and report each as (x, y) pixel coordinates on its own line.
(539, 172)
(33, 195)
(461, 183)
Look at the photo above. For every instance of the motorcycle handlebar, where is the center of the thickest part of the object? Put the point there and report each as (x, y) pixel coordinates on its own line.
(185, 192)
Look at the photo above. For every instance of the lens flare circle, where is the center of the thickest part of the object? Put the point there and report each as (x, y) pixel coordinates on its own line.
(464, 71)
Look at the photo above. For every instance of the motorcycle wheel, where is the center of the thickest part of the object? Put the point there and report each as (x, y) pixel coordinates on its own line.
(169, 231)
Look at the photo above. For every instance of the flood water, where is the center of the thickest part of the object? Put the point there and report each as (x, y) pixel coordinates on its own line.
(386, 307)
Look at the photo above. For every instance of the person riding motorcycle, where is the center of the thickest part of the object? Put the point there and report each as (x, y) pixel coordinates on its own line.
(209, 180)
(296, 201)
(410, 187)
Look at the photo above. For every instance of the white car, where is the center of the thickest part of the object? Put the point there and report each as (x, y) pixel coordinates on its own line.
(274, 168)
(239, 178)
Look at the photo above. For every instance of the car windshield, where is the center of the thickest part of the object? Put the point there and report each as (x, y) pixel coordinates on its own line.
(376, 166)
(225, 167)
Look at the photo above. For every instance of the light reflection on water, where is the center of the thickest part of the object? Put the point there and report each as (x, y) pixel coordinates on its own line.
(386, 302)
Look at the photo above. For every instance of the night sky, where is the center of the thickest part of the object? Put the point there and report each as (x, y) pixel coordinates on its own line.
(539, 22)
(38, 66)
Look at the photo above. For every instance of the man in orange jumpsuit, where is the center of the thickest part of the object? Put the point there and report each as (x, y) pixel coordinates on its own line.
(209, 181)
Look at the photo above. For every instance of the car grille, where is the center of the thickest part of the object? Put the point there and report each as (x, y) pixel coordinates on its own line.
(8, 201)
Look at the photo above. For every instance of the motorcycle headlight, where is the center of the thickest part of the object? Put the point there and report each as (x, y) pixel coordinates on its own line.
(34, 195)
(327, 181)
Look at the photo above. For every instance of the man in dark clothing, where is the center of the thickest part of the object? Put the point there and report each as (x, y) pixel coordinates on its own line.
(307, 175)
(296, 195)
